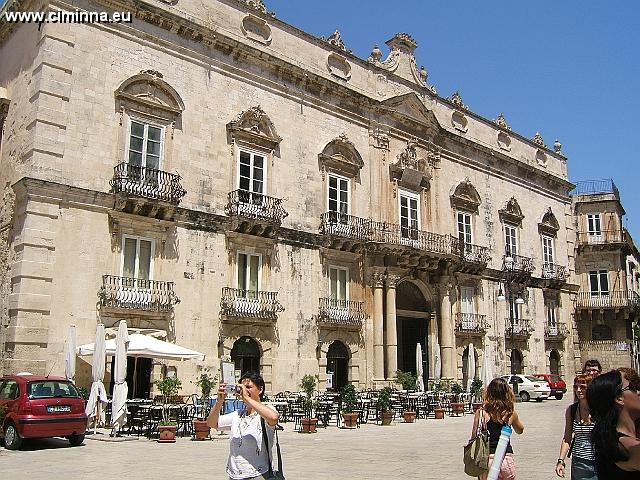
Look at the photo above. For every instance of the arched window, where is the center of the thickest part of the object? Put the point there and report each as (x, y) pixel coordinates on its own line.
(245, 354)
(338, 364)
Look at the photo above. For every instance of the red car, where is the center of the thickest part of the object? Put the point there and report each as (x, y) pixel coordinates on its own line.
(558, 387)
(38, 407)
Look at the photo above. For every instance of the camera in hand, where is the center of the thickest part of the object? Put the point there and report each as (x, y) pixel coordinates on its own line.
(234, 389)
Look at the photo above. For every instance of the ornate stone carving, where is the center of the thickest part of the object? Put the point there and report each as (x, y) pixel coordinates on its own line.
(459, 121)
(339, 66)
(557, 146)
(335, 39)
(375, 56)
(256, 28)
(502, 122)
(259, 6)
(341, 154)
(149, 91)
(456, 99)
(377, 279)
(411, 170)
(465, 196)
(391, 280)
(504, 141)
(537, 139)
(511, 213)
(255, 126)
(380, 139)
(549, 224)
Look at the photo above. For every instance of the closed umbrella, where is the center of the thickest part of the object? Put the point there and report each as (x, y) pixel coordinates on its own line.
(98, 395)
(487, 370)
(471, 366)
(70, 354)
(437, 363)
(120, 390)
(419, 369)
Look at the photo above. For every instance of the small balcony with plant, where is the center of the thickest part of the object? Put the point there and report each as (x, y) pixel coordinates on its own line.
(346, 314)
(254, 213)
(250, 305)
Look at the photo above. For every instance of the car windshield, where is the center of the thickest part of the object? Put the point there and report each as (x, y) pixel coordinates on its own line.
(533, 379)
(51, 389)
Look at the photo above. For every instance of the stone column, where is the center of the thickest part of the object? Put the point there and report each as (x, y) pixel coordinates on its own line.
(377, 282)
(446, 332)
(392, 333)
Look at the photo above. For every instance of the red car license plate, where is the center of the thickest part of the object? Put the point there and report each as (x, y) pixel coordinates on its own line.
(58, 408)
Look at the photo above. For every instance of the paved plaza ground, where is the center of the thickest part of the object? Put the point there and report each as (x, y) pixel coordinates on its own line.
(428, 449)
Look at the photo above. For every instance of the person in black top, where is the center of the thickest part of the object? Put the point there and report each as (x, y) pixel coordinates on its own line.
(615, 406)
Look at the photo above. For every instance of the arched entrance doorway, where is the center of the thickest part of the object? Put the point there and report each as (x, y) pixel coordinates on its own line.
(516, 361)
(245, 354)
(554, 362)
(412, 322)
(338, 364)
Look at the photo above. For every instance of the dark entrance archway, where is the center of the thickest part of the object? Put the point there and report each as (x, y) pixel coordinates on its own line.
(338, 364)
(245, 354)
(554, 362)
(412, 322)
(516, 361)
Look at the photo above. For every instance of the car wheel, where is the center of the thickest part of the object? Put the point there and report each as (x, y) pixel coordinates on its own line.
(525, 396)
(12, 440)
(558, 396)
(75, 440)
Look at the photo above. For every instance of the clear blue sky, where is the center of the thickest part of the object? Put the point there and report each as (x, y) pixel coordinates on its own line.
(568, 69)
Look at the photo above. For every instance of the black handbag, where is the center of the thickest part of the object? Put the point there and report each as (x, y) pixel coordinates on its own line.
(271, 474)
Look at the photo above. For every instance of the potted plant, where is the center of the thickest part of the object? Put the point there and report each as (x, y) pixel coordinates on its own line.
(408, 381)
(308, 386)
(438, 388)
(168, 388)
(457, 406)
(206, 383)
(384, 405)
(476, 389)
(349, 401)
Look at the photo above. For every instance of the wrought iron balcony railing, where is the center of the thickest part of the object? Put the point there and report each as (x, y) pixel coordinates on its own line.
(342, 225)
(341, 313)
(137, 293)
(469, 252)
(471, 323)
(594, 187)
(557, 331)
(382, 232)
(147, 182)
(520, 328)
(518, 263)
(552, 271)
(613, 299)
(601, 237)
(250, 304)
(255, 206)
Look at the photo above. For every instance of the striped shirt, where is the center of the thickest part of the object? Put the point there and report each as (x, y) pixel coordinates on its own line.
(582, 446)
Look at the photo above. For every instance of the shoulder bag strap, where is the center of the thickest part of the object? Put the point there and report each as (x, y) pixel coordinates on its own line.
(266, 441)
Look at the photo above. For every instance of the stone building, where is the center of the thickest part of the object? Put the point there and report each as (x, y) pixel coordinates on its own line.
(608, 303)
(219, 177)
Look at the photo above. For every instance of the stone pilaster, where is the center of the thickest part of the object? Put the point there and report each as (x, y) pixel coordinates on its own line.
(391, 330)
(377, 283)
(446, 332)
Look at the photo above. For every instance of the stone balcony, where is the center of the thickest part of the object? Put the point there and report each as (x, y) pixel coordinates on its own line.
(520, 330)
(617, 299)
(123, 293)
(557, 332)
(347, 314)
(472, 258)
(472, 324)
(146, 191)
(551, 271)
(250, 305)
(344, 232)
(254, 213)
(517, 267)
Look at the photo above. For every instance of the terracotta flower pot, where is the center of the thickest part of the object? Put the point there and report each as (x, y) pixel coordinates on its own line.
(387, 418)
(477, 406)
(350, 420)
(457, 408)
(439, 412)
(409, 416)
(167, 433)
(309, 425)
(201, 430)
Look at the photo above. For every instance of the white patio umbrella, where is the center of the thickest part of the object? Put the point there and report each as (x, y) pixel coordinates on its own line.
(98, 395)
(120, 390)
(471, 366)
(487, 369)
(437, 363)
(419, 369)
(70, 354)
(148, 347)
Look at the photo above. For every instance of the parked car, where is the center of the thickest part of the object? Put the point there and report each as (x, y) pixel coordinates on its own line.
(529, 387)
(41, 407)
(557, 385)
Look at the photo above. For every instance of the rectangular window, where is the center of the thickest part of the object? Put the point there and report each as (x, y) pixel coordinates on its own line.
(249, 274)
(464, 228)
(547, 250)
(510, 240)
(598, 283)
(552, 321)
(338, 280)
(145, 145)
(409, 216)
(338, 197)
(251, 172)
(467, 308)
(594, 229)
(137, 258)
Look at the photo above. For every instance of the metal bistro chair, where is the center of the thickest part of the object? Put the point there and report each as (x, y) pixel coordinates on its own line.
(186, 414)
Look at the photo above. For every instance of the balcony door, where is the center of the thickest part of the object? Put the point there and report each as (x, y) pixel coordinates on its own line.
(598, 283)
(251, 178)
(466, 307)
(552, 321)
(338, 204)
(464, 233)
(594, 228)
(510, 240)
(144, 153)
(409, 218)
(137, 270)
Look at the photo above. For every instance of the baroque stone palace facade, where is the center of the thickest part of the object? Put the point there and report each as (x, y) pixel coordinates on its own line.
(217, 176)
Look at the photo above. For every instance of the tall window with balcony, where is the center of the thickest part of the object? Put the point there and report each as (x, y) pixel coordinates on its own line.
(510, 240)
(547, 256)
(338, 204)
(598, 283)
(251, 180)
(137, 272)
(552, 319)
(409, 217)
(248, 275)
(594, 228)
(467, 309)
(465, 235)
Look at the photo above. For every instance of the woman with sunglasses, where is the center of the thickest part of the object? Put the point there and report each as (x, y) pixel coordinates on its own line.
(577, 435)
(615, 406)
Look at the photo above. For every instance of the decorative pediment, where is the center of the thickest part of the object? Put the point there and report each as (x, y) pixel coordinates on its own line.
(465, 196)
(413, 166)
(409, 105)
(149, 91)
(340, 154)
(549, 224)
(511, 213)
(254, 126)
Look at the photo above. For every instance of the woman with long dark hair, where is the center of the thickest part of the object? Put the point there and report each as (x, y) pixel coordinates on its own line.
(499, 410)
(615, 406)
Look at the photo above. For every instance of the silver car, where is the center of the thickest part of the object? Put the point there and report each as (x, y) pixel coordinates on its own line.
(529, 387)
